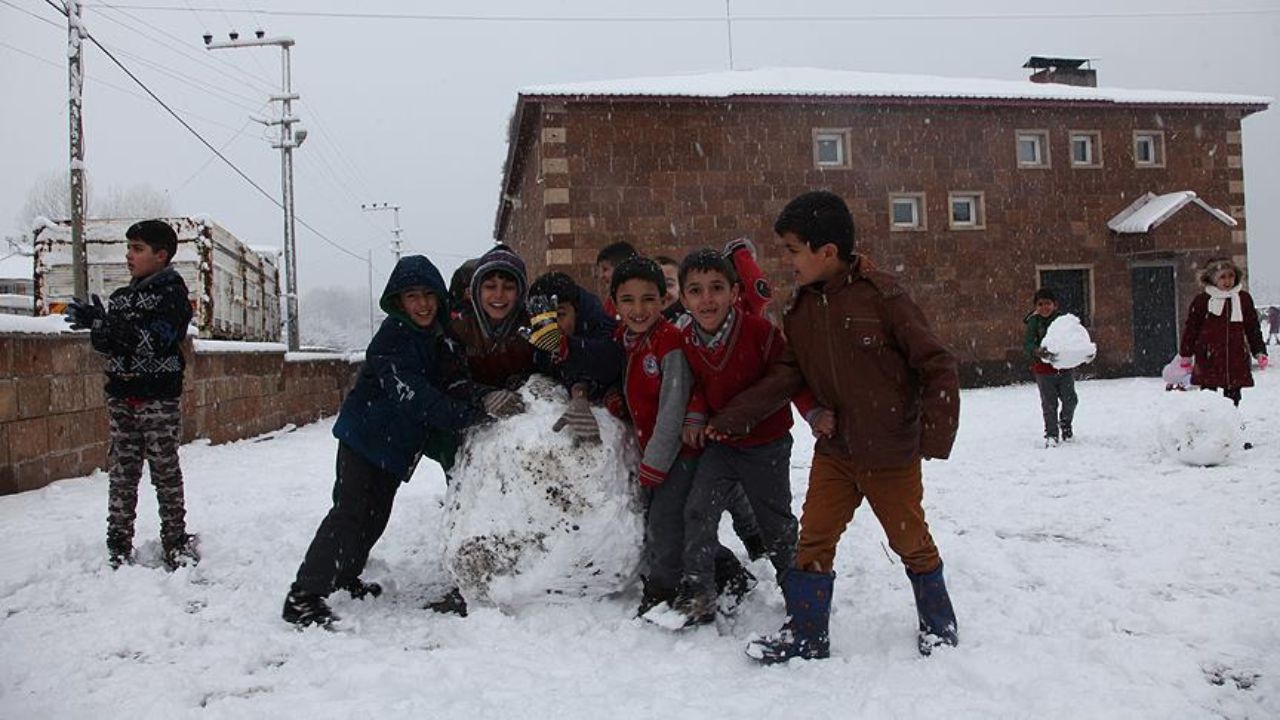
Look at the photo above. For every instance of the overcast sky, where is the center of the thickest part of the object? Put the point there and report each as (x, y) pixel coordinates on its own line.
(414, 110)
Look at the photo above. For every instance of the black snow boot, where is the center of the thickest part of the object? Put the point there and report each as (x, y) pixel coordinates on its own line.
(733, 586)
(804, 636)
(452, 603)
(304, 608)
(933, 606)
(698, 607)
(755, 547)
(654, 596)
(1067, 435)
(359, 589)
(182, 553)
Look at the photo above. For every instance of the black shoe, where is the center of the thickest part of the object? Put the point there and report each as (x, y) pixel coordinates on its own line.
(452, 603)
(182, 554)
(359, 589)
(1051, 440)
(117, 558)
(653, 597)
(734, 590)
(303, 608)
(1066, 433)
(755, 547)
(698, 608)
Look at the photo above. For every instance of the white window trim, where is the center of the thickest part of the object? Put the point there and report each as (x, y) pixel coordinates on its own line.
(843, 135)
(978, 203)
(921, 217)
(1157, 147)
(1095, 148)
(1042, 141)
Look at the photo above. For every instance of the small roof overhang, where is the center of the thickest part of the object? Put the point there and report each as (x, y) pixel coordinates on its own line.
(1150, 210)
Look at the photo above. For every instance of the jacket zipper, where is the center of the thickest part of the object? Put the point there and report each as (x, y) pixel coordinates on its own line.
(831, 355)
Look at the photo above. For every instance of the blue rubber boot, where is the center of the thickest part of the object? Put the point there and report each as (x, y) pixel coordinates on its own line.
(933, 607)
(804, 636)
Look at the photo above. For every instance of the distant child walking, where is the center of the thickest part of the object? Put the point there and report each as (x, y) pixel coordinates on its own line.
(1057, 387)
(1222, 332)
(141, 332)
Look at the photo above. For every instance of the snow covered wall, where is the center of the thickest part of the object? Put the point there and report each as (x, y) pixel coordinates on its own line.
(531, 516)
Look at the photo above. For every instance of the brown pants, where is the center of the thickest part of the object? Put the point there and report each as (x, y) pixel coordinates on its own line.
(836, 489)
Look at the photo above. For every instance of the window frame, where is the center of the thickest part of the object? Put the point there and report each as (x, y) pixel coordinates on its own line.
(1042, 141)
(843, 135)
(1089, 298)
(921, 215)
(977, 200)
(1157, 145)
(1095, 148)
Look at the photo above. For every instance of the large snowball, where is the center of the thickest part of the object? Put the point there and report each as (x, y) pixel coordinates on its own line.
(531, 517)
(1197, 427)
(1067, 339)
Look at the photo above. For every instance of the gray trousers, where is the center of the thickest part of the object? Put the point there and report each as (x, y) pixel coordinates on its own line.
(1055, 388)
(664, 541)
(144, 431)
(764, 474)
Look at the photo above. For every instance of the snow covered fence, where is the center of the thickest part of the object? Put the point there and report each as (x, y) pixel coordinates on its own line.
(53, 421)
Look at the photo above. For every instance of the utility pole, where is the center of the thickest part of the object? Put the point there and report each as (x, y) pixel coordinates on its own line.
(75, 68)
(395, 244)
(289, 139)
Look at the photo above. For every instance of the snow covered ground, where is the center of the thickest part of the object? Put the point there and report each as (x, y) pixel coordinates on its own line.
(1096, 579)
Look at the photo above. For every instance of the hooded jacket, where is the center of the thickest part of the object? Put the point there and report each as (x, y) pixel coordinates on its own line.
(1222, 349)
(142, 338)
(496, 355)
(401, 397)
(591, 355)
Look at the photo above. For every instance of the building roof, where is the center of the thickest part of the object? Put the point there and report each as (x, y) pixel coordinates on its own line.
(816, 82)
(1150, 210)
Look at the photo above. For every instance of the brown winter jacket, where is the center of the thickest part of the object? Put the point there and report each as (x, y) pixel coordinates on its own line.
(1223, 349)
(867, 352)
(503, 362)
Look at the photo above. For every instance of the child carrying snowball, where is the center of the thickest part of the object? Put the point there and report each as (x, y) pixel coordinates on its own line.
(1057, 387)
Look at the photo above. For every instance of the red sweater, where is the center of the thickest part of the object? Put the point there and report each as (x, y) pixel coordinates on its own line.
(656, 386)
(740, 360)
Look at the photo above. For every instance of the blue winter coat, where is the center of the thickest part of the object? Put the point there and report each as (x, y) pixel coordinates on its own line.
(594, 356)
(401, 399)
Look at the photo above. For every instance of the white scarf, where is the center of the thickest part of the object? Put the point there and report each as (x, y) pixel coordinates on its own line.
(1218, 297)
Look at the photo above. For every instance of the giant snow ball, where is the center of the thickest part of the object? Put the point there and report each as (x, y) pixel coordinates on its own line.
(532, 517)
(1069, 342)
(1197, 428)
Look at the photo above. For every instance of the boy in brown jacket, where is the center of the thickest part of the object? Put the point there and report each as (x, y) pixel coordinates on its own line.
(864, 349)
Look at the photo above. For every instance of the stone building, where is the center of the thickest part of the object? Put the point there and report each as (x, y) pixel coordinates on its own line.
(975, 192)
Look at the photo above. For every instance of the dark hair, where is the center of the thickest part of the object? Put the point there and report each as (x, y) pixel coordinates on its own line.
(637, 267)
(819, 218)
(461, 280)
(157, 234)
(707, 260)
(667, 260)
(1045, 293)
(615, 253)
(558, 284)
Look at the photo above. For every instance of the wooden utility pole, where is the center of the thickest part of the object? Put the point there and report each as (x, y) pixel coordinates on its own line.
(75, 68)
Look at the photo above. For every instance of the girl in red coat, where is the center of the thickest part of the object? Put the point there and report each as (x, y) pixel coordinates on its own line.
(1222, 332)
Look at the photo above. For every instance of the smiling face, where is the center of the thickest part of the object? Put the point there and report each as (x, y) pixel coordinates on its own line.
(421, 305)
(1045, 307)
(498, 296)
(1225, 279)
(708, 296)
(143, 260)
(811, 265)
(639, 302)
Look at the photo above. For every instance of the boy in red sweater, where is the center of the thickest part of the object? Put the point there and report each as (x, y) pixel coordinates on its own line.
(656, 387)
(728, 348)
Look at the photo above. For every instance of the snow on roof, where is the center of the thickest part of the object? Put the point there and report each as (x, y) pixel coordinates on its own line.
(16, 266)
(1150, 210)
(847, 83)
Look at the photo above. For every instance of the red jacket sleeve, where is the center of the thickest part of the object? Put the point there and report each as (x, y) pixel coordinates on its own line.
(756, 292)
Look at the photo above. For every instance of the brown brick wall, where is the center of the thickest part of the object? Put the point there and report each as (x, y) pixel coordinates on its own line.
(53, 421)
(671, 177)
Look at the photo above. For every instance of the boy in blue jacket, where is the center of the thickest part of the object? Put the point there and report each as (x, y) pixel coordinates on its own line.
(411, 391)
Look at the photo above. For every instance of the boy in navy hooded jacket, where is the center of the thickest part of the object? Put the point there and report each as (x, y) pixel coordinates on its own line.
(412, 393)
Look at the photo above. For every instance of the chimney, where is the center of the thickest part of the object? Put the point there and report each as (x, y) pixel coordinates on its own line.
(1063, 71)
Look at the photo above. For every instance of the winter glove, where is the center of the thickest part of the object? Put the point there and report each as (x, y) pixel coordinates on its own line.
(1263, 362)
(734, 246)
(543, 331)
(503, 403)
(1044, 355)
(651, 477)
(85, 316)
(1185, 363)
(615, 403)
(581, 423)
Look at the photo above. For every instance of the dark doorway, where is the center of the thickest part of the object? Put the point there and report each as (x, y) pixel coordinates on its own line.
(1071, 287)
(1155, 318)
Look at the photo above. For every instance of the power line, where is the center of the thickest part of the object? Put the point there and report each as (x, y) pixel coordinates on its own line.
(719, 19)
(201, 138)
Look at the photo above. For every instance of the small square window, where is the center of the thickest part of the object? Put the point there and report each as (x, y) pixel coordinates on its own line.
(1033, 148)
(967, 211)
(1085, 149)
(906, 211)
(1148, 148)
(831, 148)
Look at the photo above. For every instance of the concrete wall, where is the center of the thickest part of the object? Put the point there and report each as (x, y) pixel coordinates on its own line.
(53, 421)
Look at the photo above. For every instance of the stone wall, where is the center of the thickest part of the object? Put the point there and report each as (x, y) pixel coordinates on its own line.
(53, 421)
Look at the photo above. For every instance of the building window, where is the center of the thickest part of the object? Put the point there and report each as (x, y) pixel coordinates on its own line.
(906, 211)
(1073, 286)
(1148, 148)
(967, 211)
(831, 148)
(1086, 149)
(1033, 148)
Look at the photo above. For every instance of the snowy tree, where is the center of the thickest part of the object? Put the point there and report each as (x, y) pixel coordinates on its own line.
(50, 196)
(134, 201)
(336, 317)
